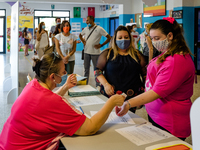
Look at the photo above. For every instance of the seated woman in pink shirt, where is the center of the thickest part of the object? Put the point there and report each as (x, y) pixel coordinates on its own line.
(39, 117)
(169, 81)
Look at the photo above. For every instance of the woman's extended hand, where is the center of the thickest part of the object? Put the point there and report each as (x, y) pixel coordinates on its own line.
(109, 89)
(71, 81)
(117, 100)
(121, 111)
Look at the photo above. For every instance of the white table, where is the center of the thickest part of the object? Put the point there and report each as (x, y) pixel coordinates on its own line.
(107, 138)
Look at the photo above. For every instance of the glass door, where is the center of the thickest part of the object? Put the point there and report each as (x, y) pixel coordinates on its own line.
(2, 31)
(114, 23)
(197, 40)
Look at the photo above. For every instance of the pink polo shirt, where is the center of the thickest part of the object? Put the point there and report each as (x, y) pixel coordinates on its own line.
(37, 120)
(173, 81)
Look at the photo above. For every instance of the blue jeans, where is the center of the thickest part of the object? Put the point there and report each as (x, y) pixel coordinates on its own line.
(87, 58)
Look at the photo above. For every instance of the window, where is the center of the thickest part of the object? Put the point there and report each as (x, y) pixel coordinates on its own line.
(60, 13)
(42, 13)
(2, 12)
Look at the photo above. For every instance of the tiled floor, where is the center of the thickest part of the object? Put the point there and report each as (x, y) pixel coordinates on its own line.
(25, 67)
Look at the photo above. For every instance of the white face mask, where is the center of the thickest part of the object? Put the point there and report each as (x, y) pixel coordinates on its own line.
(134, 29)
(161, 45)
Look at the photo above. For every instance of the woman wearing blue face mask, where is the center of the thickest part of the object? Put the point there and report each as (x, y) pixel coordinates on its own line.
(42, 38)
(119, 68)
(47, 116)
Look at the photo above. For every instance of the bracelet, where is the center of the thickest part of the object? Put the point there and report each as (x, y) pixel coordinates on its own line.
(129, 104)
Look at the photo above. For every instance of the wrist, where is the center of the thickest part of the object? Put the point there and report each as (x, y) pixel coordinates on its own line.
(101, 45)
(105, 84)
(129, 105)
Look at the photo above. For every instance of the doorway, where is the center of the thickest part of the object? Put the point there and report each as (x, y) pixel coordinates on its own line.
(197, 40)
(2, 31)
(114, 23)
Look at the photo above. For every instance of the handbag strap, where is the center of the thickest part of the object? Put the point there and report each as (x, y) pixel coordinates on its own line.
(91, 33)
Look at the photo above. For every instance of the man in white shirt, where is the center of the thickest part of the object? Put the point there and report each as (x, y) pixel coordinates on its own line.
(92, 45)
(52, 30)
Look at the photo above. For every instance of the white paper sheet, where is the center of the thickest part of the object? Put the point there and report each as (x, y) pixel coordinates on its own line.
(143, 134)
(114, 119)
(86, 100)
(82, 88)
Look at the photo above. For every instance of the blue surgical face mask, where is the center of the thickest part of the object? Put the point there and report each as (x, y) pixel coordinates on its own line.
(145, 32)
(63, 80)
(123, 44)
(58, 23)
(89, 25)
(43, 27)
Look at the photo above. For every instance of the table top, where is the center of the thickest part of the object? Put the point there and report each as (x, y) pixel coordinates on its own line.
(107, 137)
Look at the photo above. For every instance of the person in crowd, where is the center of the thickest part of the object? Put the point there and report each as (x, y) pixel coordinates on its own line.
(92, 45)
(169, 85)
(26, 41)
(142, 39)
(53, 28)
(120, 67)
(149, 51)
(40, 117)
(135, 35)
(66, 46)
(42, 38)
(57, 31)
(35, 37)
(130, 29)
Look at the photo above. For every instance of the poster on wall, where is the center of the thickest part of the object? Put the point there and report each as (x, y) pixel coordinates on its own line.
(154, 8)
(91, 11)
(24, 21)
(77, 12)
(76, 28)
(84, 13)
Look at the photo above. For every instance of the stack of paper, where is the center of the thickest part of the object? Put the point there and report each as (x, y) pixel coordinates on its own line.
(83, 90)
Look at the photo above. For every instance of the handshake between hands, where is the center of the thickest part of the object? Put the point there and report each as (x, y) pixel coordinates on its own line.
(123, 109)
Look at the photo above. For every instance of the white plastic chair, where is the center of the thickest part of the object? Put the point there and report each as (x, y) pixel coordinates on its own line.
(195, 124)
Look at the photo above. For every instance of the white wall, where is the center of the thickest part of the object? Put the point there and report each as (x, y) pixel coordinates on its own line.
(178, 3)
(188, 2)
(137, 6)
(196, 2)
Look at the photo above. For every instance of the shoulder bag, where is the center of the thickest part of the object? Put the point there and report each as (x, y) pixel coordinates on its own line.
(82, 56)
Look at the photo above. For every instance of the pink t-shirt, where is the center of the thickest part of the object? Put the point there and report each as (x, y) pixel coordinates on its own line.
(37, 117)
(173, 81)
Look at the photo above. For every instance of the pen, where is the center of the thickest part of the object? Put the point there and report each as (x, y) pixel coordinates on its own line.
(81, 110)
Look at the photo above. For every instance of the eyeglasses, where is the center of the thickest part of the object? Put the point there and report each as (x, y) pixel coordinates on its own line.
(54, 58)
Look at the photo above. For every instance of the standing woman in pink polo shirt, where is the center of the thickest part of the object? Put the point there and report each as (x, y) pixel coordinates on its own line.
(169, 81)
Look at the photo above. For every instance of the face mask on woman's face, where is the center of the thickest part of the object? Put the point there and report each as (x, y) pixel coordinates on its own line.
(134, 29)
(123, 44)
(161, 45)
(66, 29)
(63, 80)
(43, 26)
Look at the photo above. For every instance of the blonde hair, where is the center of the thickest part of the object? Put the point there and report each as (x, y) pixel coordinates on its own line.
(131, 51)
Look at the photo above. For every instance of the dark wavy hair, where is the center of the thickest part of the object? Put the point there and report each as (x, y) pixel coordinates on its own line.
(24, 31)
(56, 30)
(178, 44)
(63, 24)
